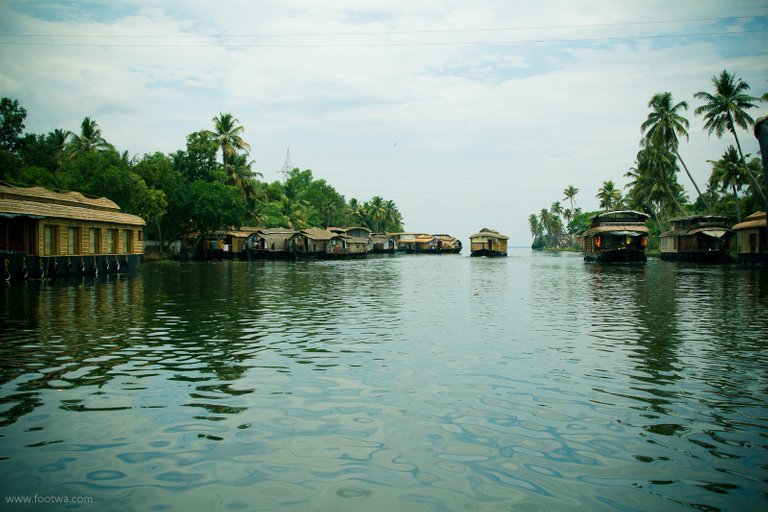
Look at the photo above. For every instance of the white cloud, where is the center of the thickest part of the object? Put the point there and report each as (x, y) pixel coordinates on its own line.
(460, 134)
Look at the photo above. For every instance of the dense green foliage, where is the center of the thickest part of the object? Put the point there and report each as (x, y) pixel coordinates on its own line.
(736, 183)
(209, 185)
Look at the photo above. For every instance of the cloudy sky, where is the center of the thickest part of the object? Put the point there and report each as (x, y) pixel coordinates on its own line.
(466, 114)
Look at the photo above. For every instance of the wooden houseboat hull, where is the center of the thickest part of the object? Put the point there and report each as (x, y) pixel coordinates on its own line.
(488, 253)
(18, 266)
(713, 257)
(617, 256)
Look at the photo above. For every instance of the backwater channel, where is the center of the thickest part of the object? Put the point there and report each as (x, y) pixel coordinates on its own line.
(415, 383)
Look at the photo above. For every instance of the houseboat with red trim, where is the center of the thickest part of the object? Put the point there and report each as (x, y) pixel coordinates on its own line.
(616, 236)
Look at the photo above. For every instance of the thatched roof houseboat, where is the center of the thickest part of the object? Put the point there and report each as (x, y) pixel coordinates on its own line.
(324, 243)
(614, 236)
(488, 242)
(269, 243)
(752, 240)
(383, 243)
(448, 244)
(697, 238)
(228, 244)
(47, 233)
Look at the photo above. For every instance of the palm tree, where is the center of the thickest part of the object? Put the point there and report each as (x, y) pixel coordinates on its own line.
(569, 194)
(376, 212)
(664, 124)
(393, 220)
(609, 196)
(89, 139)
(240, 175)
(653, 187)
(726, 109)
(728, 172)
(355, 212)
(227, 135)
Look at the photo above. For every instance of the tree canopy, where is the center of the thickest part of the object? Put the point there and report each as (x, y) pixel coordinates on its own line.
(209, 185)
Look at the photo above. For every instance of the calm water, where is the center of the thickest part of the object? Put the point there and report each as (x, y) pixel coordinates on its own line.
(414, 383)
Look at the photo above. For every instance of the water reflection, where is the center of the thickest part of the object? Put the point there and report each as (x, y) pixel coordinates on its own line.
(432, 383)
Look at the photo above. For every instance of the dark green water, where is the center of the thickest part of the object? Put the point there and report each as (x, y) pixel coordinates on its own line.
(532, 383)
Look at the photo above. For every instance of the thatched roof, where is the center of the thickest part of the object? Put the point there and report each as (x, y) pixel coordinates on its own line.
(40, 202)
(318, 234)
(489, 233)
(619, 229)
(43, 195)
(756, 220)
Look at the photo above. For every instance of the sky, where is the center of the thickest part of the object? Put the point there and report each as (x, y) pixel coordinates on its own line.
(466, 114)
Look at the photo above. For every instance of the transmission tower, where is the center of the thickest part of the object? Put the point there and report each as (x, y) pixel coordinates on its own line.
(287, 167)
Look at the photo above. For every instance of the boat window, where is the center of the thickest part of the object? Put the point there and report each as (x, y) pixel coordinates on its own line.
(50, 240)
(94, 238)
(111, 241)
(127, 241)
(73, 240)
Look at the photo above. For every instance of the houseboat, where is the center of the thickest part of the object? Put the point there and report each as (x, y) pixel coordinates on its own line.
(448, 244)
(45, 233)
(327, 244)
(488, 242)
(616, 236)
(269, 243)
(406, 242)
(383, 244)
(697, 238)
(228, 244)
(356, 242)
(752, 240)
(424, 243)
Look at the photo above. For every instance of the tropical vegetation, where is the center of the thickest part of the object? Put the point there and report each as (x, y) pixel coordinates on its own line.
(209, 185)
(736, 185)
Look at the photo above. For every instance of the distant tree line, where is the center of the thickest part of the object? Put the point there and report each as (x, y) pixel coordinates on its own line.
(208, 185)
(736, 184)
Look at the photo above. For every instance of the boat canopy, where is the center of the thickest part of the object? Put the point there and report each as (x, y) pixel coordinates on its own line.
(619, 230)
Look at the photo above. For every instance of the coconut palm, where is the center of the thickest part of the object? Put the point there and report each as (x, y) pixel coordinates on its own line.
(664, 124)
(376, 211)
(726, 109)
(535, 226)
(89, 139)
(355, 212)
(569, 194)
(728, 172)
(653, 187)
(393, 220)
(609, 196)
(227, 133)
(239, 174)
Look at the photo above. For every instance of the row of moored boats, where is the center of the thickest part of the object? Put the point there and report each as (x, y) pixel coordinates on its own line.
(622, 236)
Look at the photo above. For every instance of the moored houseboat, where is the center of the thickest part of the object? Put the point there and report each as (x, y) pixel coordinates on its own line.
(269, 243)
(383, 243)
(406, 242)
(488, 242)
(697, 238)
(45, 233)
(616, 236)
(227, 244)
(448, 244)
(326, 244)
(752, 240)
